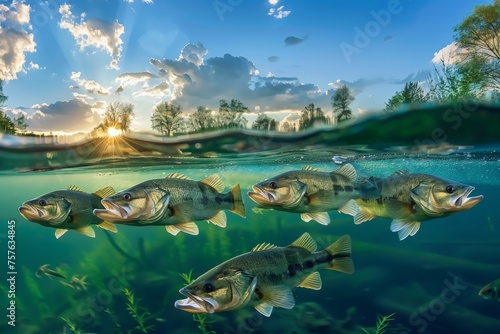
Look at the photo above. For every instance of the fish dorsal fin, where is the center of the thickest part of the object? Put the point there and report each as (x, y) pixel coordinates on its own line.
(312, 281)
(60, 232)
(189, 228)
(75, 188)
(263, 247)
(321, 217)
(264, 309)
(87, 230)
(214, 181)
(108, 226)
(104, 192)
(313, 169)
(177, 176)
(278, 296)
(219, 219)
(400, 172)
(305, 241)
(348, 171)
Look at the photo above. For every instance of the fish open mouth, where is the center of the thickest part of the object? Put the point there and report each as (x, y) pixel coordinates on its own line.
(30, 212)
(464, 201)
(261, 196)
(111, 211)
(195, 304)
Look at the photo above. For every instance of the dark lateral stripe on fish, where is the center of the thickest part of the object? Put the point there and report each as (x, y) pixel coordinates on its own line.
(337, 188)
(333, 177)
(349, 189)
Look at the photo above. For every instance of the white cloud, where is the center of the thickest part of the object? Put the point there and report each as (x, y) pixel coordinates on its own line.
(450, 54)
(133, 78)
(145, 1)
(159, 91)
(15, 41)
(72, 115)
(279, 13)
(273, 2)
(90, 86)
(94, 32)
(196, 81)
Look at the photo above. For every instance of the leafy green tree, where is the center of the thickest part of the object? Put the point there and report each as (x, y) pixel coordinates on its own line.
(411, 93)
(6, 123)
(341, 100)
(117, 115)
(479, 37)
(310, 116)
(167, 118)
(457, 82)
(264, 122)
(202, 119)
(231, 114)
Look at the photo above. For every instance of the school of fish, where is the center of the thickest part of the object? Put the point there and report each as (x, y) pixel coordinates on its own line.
(264, 277)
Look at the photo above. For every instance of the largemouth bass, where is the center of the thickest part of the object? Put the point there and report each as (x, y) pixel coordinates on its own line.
(312, 192)
(174, 202)
(409, 198)
(69, 209)
(264, 277)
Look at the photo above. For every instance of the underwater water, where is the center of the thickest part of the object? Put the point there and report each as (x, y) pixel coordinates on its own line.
(429, 282)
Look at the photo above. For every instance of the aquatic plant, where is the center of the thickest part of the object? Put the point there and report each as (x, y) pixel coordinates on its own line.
(139, 313)
(199, 318)
(71, 325)
(382, 323)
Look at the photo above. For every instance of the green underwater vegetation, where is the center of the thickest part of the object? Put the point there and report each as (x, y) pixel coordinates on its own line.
(139, 313)
(382, 324)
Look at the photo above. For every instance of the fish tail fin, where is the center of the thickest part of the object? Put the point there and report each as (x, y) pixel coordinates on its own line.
(368, 187)
(340, 251)
(239, 206)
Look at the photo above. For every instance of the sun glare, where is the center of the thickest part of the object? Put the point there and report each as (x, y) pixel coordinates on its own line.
(112, 132)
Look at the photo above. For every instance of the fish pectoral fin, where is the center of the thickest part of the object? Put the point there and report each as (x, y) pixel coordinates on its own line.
(214, 181)
(312, 281)
(189, 228)
(321, 217)
(182, 211)
(104, 192)
(350, 208)
(60, 232)
(405, 228)
(219, 219)
(321, 199)
(278, 296)
(108, 226)
(397, 209)
(87, 230)
(305, 241)
(348, 171)
(239, 206)
(264, 309)
(363, 216)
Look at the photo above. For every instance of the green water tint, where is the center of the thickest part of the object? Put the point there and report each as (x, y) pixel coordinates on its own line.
(451, 257)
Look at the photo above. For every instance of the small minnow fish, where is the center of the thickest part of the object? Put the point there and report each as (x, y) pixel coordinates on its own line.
(491, 291)
(312, 192)
(174, 202)
(264, 277)
(43, 270)
(410, 198)
(69, 209)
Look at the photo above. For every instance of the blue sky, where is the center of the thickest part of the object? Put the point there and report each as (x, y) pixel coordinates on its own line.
(63, 62)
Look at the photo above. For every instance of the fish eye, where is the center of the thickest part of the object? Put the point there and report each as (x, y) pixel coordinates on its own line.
(208, 287)
(127, 196)
(450, 189)
(273, 185)
(42, 202)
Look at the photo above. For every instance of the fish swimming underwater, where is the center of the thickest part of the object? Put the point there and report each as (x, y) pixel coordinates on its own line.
(491, 291)
(264, 277)
(69, 209)
(312, 192)
(175, 202)
(44, 270)
(410, 198)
